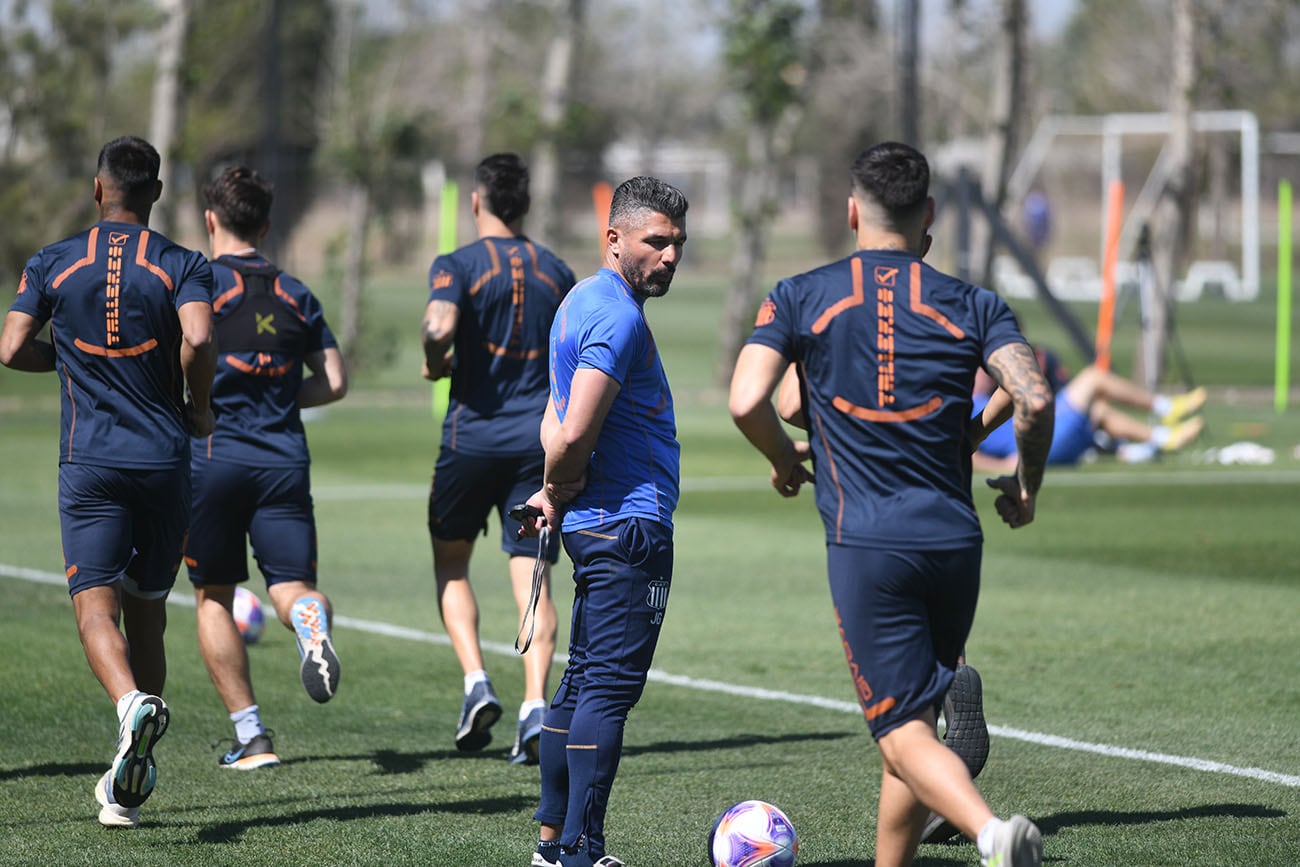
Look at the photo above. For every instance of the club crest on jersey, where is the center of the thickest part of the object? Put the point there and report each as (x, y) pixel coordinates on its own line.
(657, 599)
(766, 313)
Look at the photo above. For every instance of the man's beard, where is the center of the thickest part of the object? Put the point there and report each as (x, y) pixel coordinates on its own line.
(642, 285)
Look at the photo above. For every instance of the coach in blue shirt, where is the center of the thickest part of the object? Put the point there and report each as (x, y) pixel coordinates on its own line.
(612, 469)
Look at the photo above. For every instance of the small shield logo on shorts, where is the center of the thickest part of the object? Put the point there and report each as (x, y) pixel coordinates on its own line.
(657, 598)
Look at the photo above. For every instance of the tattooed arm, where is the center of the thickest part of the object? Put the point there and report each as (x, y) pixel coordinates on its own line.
(439, 330)
(1016, 370)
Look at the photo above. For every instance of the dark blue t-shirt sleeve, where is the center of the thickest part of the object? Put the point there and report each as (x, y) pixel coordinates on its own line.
(196, 281)
(31, 298)
(999, 325)
(446, 281)
(777, 326)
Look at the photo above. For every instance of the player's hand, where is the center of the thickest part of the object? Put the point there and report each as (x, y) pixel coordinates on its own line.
(560, 493)
(531, 527)
(1015, 506)
(201, 422)
(789, 474)
(443, 369)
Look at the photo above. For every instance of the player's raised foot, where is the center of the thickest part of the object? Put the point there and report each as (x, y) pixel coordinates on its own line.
(1183, 434)
(528, 738)
(966, 733)
(939, 830)
(257, 753)
(134, 771)
(1016, 843)
(1182, 406)
(320, 664)
(113, 815)
(478, 714)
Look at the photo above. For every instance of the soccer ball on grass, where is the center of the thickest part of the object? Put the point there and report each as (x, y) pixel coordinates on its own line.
(753, 834)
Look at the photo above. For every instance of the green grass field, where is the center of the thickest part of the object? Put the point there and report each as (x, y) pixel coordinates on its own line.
(1138, 646)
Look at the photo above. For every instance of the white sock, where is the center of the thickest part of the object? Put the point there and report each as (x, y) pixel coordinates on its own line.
(984, 842)
(474, 677)
(1161, 404)
(248, 724)
(1159, 436)
(529, 706)
(124, 703)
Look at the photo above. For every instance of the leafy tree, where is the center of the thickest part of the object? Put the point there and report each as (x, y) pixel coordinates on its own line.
(62, 93)
(764, 54)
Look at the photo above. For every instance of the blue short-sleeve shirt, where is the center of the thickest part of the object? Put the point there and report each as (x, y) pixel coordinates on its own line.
(634, 470)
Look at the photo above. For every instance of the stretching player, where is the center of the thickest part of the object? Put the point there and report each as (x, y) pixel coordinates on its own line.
(130, 316)
(892, 452)
(493, 302)
(252, 475)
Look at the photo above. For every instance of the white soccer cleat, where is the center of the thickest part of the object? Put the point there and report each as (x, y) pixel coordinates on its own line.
(113, 815)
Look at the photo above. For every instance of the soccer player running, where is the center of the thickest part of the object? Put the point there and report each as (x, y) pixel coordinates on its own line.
(252, 476)
(887, 350)
(130, 316)
(490, 309)
(612, 468)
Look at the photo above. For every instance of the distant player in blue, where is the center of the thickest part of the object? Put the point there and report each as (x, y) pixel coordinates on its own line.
(887, 349)
(492, 302)
(612, 471)
(130, 318)
(252, 475)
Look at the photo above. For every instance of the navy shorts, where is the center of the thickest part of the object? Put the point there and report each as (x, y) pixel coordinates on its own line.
(269, 507)
(904, 617)
(123, 523)
(466, 488)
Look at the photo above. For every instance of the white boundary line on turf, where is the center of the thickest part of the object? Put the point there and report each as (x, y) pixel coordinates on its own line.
(726, 484)
(393, 631)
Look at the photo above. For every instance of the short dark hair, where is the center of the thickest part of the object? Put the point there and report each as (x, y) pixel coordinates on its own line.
(895, 176)
(130, 164)
(241, 199)
(504, 179)
(644, 193)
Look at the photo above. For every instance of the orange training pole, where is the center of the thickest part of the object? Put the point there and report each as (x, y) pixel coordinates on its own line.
(601, 196)
(1109, 265)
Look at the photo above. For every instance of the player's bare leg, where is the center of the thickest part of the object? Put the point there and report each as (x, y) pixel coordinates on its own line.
(456, 602)
(460, 617)
(98, 612)
(919, 773)
(222, 647)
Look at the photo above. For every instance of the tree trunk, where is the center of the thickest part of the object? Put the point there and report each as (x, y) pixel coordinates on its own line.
(556, 78)
(354, 272)
(1006, 108)
(164, 118)
(756, 200)
(476, 98)
(1171, 221)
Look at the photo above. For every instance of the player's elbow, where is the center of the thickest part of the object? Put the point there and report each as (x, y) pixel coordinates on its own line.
(1038, 407)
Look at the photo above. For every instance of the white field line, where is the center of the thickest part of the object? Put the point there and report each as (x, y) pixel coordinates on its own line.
(704, 685)
(725, 484)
